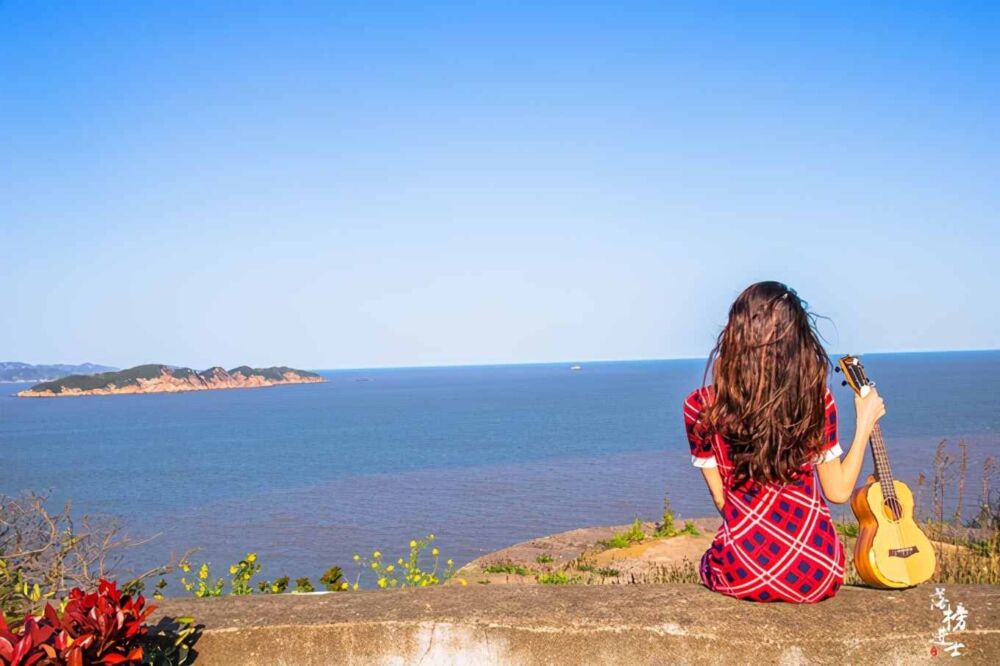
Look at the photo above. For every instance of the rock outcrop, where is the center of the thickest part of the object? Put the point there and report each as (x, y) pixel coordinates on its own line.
(581, 556)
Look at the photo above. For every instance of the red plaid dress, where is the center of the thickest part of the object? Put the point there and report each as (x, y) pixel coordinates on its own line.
(776, 543)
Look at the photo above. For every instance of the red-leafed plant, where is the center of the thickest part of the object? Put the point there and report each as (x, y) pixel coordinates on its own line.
(29, 645)
(102, 627)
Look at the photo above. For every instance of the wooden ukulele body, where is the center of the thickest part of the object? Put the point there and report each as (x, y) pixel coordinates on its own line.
(890, 552)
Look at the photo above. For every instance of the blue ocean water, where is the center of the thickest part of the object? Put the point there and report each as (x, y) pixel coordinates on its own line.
(483, 457)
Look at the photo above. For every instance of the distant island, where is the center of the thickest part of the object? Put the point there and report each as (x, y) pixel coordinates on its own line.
(13, 372)
(157, 378)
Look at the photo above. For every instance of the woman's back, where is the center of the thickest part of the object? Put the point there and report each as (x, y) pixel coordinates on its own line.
(777, 541)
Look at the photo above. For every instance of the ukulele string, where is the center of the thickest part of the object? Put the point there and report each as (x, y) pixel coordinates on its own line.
(879, 455)
(894, 506)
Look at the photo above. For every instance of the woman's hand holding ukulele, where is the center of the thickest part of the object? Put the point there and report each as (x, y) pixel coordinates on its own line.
(869, 409)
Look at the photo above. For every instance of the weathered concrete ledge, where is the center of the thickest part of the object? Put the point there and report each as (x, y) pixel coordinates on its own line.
(636, 624)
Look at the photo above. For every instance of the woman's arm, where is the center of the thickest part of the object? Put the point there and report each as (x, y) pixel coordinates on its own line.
(838, 477)
(702, 455)
(714, 482)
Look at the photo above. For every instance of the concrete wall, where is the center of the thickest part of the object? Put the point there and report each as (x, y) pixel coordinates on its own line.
(648, 624)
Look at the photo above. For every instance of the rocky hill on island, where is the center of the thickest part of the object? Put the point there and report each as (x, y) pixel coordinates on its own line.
(157, 378)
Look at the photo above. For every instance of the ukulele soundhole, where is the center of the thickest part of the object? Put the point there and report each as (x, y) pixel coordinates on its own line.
(892, 508)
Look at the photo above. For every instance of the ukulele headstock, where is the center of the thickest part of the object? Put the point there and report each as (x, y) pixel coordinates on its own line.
(854, 375)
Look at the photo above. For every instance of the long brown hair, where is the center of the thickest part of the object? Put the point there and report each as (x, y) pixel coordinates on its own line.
(769, 373)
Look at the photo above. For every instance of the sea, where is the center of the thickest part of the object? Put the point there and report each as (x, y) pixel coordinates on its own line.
(482, 457)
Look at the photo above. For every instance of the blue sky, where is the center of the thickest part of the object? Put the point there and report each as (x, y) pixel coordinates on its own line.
(350, 185)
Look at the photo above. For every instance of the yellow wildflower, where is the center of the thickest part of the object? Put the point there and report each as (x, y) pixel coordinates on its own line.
(463, 582)
(450, 562)
(233, 569)
(251, 558)
(355, 586)
(390, 568)
(435, 552)
(376, 554)
(343, 586)
(357, 557)
(430, 537)
(413, 544)
(382, 582)
(374, 565)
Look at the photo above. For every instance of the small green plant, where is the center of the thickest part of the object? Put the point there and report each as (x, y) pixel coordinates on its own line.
(689, 528)
(632, 535)
(160, 586)
(846, 529)
(666, 527)
(17, 593)
(242, 572)
(303, 585)
(544, 558)
(333, 580)
(607, 572)
(585, 566)
(169, 643)
(201, 587)
(506, 568)
(554, 578)
(277, 587)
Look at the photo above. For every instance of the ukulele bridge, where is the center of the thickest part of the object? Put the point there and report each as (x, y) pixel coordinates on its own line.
(902, 552)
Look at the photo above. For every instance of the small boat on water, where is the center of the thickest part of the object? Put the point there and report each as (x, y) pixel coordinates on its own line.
(575, 367)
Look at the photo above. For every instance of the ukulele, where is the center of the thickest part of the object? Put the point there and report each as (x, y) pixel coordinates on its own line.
(891, 550)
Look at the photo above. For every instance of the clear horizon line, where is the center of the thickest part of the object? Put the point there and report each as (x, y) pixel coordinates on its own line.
(621, 360)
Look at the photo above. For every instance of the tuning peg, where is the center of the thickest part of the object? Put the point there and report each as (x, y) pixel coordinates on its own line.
(843, 383)
(837, 369)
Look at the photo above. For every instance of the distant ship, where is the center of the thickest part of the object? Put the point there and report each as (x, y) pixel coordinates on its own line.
(575, 367)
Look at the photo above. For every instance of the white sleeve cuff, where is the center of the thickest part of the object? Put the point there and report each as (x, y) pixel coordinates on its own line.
(833, 452)
(704, 462)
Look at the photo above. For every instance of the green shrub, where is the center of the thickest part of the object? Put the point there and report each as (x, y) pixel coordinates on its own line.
(666, 527)
(333, 580)
(632, 535)
(277, 587)
(202, 586)
(846, 529)
(544, 558)
(242, 572)
(506, 568)
(689, 528)
(554, 578)
(303, 585)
